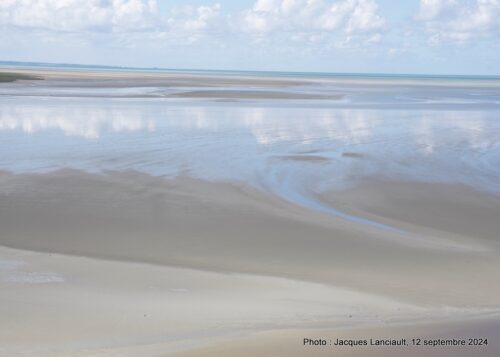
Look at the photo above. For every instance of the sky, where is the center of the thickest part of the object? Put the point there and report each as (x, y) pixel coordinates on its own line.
(353, 36)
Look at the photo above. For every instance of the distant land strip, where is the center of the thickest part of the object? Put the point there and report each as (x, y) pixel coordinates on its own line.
(12, 77)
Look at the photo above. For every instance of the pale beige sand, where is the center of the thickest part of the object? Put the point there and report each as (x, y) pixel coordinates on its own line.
(290, 343)
(55, 305)
(117, 79)
(128, 84)
(246, 262)
(222, 87)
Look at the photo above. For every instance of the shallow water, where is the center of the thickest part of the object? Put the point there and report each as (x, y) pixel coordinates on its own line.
(295, 150)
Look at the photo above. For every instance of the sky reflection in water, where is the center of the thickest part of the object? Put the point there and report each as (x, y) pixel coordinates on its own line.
(283, 149)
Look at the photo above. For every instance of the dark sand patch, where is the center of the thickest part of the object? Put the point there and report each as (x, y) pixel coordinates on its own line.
(305, 158)
(6, 77)
(244, 94)
(353, 155)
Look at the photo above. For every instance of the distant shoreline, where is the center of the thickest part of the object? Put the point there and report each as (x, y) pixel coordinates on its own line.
(227, 86)
(291, 74)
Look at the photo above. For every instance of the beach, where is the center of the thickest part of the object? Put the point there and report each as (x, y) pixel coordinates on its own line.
(188, 214)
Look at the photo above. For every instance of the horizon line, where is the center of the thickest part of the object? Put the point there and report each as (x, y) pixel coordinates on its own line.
(312, 73)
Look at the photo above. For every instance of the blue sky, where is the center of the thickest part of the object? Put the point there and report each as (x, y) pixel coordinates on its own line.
(376, 36)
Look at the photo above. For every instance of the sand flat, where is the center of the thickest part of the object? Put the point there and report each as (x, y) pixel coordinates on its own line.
(92, 83)
(225, 227)
(141, 78)
(250, 78)
(290, 343)
(96, 307)
(451, 208)
(136, 223)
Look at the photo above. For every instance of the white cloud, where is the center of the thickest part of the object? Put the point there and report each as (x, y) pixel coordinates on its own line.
(347, 16)
(431, 9)
(350, 16)
(129, 22)
(314, 26)
(460, 21)
(191, 18)
(76, 15)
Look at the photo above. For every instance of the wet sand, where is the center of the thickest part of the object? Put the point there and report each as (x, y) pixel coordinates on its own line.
(248, 94)
(229, 86)
(129, 84)
(171, 253)
(182, 226)
(122, 77)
